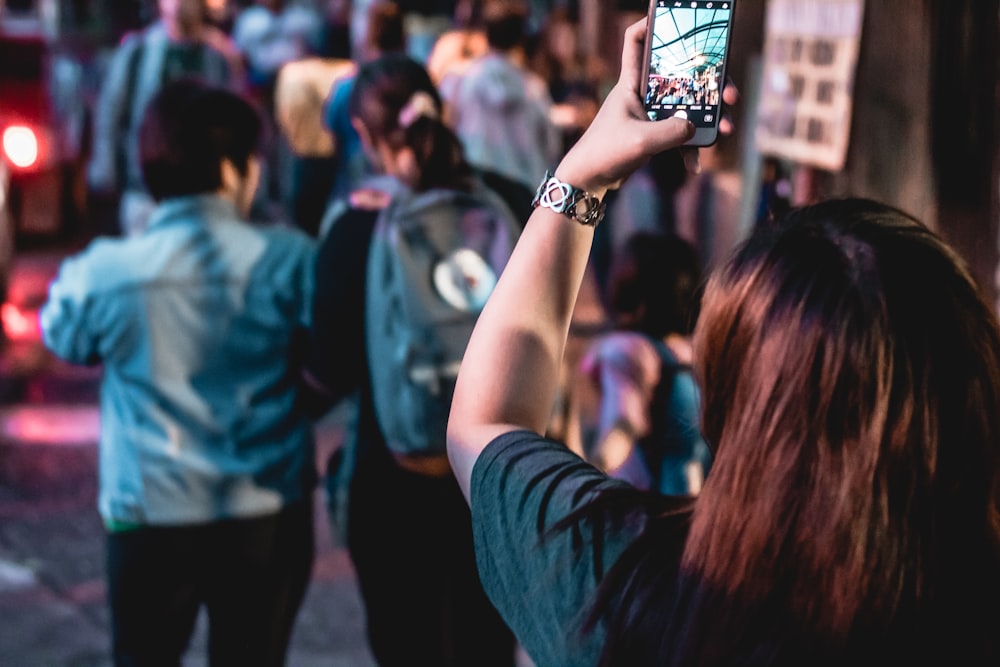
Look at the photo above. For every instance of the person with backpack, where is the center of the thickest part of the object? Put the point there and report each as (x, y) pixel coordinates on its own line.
(180, 44)
(648, 430)
(402, 274)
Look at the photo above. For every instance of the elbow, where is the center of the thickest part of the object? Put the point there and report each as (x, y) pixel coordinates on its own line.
(60, 342)
(461, 456)
(457, 426)
(464, 438)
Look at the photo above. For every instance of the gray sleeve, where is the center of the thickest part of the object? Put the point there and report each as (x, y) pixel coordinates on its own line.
(542, 581)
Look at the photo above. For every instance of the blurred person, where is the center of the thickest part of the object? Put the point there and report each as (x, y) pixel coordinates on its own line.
(407, 525)
(454, 52)
(498, 108)
(222, 14)
(299, 103)
(358, 20)
(850, 370)
(775, 192)
(575, 79)
(459, 47)
(272, 33)
(385, 34)
(179, 44)
(335, 40)
(318, 152)
(206, 450)
(354, 166)
(648, 422)
(645, 201)
(426, 21)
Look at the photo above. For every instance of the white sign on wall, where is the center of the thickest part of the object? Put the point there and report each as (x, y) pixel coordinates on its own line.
(810, 59)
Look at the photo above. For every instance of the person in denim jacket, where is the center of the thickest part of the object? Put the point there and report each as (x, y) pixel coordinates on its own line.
(206, 450)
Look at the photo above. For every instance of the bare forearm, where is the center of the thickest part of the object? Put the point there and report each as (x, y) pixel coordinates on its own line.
(511, 368)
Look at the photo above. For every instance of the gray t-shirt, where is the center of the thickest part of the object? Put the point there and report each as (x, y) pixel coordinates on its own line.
(543, 582)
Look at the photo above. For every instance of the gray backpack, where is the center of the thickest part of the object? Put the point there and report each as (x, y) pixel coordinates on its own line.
(434, 259)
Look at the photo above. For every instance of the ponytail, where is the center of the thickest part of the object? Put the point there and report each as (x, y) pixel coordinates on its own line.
(438, 151)
(396, 100)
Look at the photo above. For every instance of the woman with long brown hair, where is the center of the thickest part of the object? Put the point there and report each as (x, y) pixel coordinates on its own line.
(850, 371)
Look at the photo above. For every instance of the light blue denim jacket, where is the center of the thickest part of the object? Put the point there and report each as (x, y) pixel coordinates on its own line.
(194, 322)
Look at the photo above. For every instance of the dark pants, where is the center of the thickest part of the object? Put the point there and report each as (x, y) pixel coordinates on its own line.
(251, 575)
(410, 538)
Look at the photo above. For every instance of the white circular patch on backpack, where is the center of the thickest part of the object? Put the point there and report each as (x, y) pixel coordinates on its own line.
(464, 280)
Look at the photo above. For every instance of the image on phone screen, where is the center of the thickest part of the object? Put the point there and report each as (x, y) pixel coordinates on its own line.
(687, 45)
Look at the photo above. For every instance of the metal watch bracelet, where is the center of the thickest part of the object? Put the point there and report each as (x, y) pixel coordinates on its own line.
(569, 200)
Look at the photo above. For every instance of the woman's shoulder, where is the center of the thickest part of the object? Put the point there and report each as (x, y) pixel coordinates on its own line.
(679, 350)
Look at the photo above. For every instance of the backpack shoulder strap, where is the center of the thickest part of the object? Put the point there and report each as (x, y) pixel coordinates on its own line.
(134, 47)
(669, 364)
(131, 78)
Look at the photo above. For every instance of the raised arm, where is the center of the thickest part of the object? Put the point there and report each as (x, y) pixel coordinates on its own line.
(511, 368)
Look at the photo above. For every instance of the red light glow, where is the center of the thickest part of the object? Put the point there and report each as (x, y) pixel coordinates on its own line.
(19, 325)
(20, 145)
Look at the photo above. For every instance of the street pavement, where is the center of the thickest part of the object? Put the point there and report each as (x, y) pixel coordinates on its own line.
(53, 611)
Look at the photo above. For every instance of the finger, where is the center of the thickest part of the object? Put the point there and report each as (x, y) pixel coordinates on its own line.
(730, 93)
(726, 124)
(632, 54)
(730, 97)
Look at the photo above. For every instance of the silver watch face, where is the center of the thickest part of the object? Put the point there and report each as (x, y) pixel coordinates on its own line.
(556, 195)
(564, 198)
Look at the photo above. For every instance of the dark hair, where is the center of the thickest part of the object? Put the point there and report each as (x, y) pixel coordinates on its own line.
(188, 128)
(385, 27)
(850, 371)
(382, 89)
(655, 284)
(505, 23)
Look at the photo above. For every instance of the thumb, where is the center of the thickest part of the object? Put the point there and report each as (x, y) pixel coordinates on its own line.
(667, 134)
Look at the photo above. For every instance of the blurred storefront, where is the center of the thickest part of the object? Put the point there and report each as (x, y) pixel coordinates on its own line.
(923, 132)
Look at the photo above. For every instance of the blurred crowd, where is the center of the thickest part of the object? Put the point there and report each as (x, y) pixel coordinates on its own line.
(360, 107)
(291, 57)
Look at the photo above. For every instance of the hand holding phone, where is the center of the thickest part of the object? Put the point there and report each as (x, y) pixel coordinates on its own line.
(684, 71)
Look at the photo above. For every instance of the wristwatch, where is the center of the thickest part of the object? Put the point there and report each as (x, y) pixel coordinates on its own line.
(569, 200)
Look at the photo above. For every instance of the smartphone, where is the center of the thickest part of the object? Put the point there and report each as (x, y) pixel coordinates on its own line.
(687, 45)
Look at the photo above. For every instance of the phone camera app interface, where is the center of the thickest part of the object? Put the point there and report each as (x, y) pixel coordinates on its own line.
(686, 61)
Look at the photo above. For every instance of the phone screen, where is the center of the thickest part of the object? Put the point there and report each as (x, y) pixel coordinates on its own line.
(687, 44)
